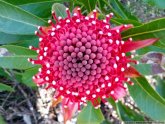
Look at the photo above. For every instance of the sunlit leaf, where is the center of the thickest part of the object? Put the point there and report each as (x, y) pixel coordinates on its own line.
(14, 20)
(90, 115)
(121, 10)
(18, 50)
(160, 86)
(16, 61)
(59, 9)
(147, 99)
(6, 38)
(128, 114)
(153, 29)
(89, 4)
(27, 76)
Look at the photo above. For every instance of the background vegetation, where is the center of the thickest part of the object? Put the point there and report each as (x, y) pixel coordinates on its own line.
(20, 99)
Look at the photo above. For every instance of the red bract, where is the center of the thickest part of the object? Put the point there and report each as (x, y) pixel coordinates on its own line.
(84, 59)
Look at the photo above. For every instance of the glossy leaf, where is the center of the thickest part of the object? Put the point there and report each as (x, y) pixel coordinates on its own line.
(144, 83)
(21, 2)
(144, 69)
(89, 4)
(6, 38)
(119, 21)
(4, 87)
(16, 61)
(128, 114)
(90, 115)
(160, 86)
(147, 99)
(18, 50)
(153, 29)
(59, 9)
(14, 20)
(27, 76)
(121, 10)
(41, 9)
(157, 3)
(26, 43)
(107, 4)
(150, 48)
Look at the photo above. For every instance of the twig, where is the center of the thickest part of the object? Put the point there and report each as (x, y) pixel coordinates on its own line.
(24, 100)
(4, 102)
(10, 73)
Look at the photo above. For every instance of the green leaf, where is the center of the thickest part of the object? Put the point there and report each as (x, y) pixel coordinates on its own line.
(2, 73)
(40, 9)
(27, 76)
(149, 49)
(128, 114)
(144, 83)
(160, 86)
(16, 61)
(157, 3)
(144, 69)
(18, 50)
(112, 102)
(27, 43)
(17, 58)
(89, 4)
(125, 21)
(18, 76)
(59, 9)
(4, 87)
(147, 99)
(101, 5)
(107, 4)
(90, 115)
(6, 38)
(2, 120)
(151, 29)
(21, 2)
(121, 10)
(14, 20)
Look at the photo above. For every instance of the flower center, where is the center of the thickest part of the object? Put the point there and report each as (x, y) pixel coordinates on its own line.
(82, 57)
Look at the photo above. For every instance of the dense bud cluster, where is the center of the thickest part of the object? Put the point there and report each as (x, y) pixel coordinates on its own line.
(83, 58)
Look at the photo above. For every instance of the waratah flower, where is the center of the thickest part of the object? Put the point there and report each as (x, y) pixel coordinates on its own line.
(84, 58)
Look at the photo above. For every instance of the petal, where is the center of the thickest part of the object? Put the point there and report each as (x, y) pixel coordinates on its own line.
(123, 27)
(46, 29)
(91, 13)
(119, 92)
(131, 72)
(70, 110)
(75, 10)
(134, 45)
(38, 81)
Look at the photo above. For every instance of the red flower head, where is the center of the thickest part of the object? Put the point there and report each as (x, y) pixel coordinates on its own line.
(84, 59)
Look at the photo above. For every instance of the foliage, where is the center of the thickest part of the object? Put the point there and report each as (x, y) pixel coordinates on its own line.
(19, 19)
